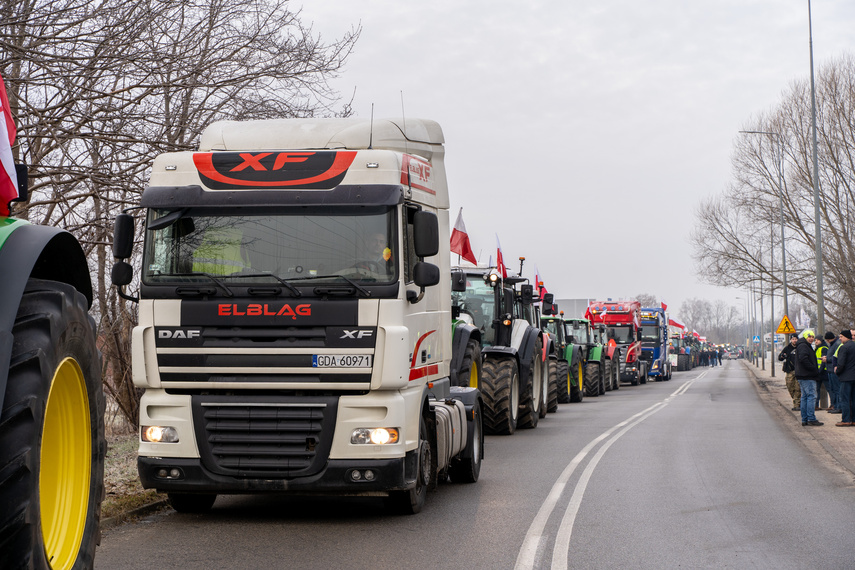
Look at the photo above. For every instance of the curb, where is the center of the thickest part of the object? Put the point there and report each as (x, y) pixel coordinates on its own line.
(134, 514)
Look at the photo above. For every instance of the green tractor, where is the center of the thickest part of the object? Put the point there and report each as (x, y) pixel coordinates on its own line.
(595, 366)
(52, 442)
(569, 384)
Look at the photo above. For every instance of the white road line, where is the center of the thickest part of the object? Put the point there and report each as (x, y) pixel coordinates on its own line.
(527, 556)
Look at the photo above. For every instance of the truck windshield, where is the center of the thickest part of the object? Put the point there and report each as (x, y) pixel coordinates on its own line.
(478, 302)
(262, 246)
(650, 334)
(622, 335)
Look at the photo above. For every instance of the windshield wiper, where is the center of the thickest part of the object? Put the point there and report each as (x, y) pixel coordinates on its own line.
(355, 285)
(219, 283)
(290, 287)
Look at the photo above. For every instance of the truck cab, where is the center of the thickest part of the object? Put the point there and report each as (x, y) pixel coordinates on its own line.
(294, 333)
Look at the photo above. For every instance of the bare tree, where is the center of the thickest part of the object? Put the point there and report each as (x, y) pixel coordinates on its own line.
(647, 300)
(738, 232)
(100, 87)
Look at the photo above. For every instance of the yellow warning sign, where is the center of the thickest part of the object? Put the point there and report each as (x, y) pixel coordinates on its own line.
(786, 327)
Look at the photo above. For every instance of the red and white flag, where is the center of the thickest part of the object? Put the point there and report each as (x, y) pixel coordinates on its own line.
(538, 282)
(460, 241)
(8, 178)
(663, 305)
(500, 262)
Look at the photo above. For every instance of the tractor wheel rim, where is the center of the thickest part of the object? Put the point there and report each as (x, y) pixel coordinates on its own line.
(473, 375)
(66, 464)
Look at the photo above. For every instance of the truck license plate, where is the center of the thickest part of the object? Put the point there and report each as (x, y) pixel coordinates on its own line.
(341, 360)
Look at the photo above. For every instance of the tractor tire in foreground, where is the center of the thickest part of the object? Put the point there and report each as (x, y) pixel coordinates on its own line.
(500, 390)
(52, 434)
(552, 391)
(470, 369)
(564, 381)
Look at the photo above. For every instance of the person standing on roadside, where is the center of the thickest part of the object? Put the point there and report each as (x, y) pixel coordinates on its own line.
(820, 348)
(833, 382)
(806, 373)
(788, 357)
(846, 374)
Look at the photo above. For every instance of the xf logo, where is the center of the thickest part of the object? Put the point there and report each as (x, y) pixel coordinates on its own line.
(253, 161)
(356, 334)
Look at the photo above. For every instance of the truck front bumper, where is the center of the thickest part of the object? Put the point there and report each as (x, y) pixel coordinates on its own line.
(339, 477)
(629, 371)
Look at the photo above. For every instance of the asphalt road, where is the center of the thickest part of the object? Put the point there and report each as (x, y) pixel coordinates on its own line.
(691, 473)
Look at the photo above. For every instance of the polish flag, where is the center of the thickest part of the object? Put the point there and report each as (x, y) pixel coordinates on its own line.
(664, 306)
(8, 178)
(460, 241)
(539, 283)
(500, 262)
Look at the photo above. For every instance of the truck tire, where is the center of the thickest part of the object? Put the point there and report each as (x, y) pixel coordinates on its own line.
(500, 389)
(467, 470)
(552, 391)
(192, 502)
(616, 369)
(470, 369)
(591, 382)
(642, 374)
(530, 396)
(52, 442)
(412, 501)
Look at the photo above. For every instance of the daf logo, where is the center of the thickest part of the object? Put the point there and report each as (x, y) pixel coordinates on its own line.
(179, 333)
(357, 334)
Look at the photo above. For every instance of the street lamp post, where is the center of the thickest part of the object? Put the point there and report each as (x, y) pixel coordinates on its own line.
(820, 296)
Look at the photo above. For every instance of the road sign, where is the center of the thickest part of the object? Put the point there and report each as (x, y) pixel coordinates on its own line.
(756, 338)
(786, 327)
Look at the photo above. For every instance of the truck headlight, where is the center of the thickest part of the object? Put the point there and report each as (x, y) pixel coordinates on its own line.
(159, 434)
(374, 436)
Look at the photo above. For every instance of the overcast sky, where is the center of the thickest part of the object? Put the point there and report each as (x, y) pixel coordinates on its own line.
(585, 134)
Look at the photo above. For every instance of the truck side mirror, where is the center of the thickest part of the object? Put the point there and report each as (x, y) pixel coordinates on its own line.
(123, 236)
(425, 274)
(425, 234)
(527, 293)
(458, 281)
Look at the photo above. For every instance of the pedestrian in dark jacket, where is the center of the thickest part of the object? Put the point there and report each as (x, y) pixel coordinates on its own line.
(846, 374)
(833, 383)
(806, 373)
(788, 357)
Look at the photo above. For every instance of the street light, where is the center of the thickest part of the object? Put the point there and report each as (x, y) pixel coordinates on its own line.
(820, 296)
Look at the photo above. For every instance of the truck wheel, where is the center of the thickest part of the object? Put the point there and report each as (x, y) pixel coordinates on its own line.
(411, 501)
(192, 502)
(591, 381)
(467, 470)
(530, 400)
(500, 389)
(552, 389)
(642, 375)
(616, 369)
(470, 368)
(52, 434)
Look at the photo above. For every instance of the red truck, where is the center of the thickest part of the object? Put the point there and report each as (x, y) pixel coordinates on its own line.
(622, 320)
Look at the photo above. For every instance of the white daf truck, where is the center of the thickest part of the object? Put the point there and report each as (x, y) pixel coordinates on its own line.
(294, 315)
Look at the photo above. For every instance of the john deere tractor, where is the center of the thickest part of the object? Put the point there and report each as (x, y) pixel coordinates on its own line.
(51, 402)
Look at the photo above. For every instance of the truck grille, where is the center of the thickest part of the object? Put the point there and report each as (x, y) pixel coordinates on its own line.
(252, 437)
